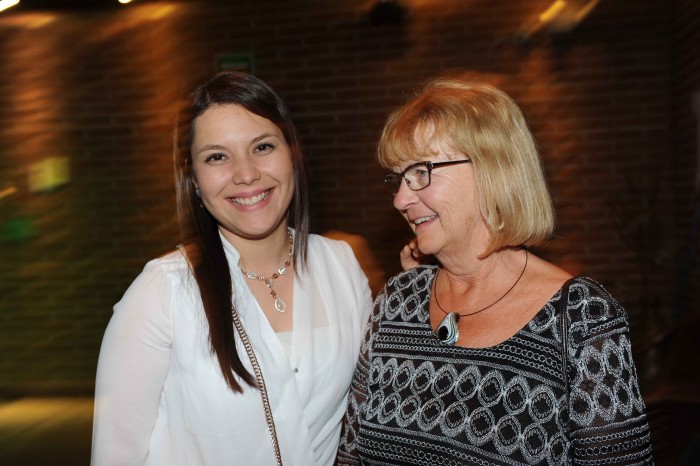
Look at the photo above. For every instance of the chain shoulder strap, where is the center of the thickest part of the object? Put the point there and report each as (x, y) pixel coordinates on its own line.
(256, 370)
(261, 384)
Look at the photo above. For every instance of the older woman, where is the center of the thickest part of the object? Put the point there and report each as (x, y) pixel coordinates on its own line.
(493, 356)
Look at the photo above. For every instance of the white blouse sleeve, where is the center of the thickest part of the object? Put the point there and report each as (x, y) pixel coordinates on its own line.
(131, 371)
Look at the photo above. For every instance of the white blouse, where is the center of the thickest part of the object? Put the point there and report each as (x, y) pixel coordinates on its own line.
(160, 398)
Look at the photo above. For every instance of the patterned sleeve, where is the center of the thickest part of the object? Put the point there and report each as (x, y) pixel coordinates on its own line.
(607, 419)
(347, 451)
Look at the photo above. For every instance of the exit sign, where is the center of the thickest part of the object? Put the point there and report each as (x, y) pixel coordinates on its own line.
(234, 62)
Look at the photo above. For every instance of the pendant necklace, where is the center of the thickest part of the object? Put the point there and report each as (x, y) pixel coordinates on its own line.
(448, 330)
(280, 305)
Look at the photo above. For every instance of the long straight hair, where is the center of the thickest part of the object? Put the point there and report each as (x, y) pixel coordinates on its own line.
(200, 230)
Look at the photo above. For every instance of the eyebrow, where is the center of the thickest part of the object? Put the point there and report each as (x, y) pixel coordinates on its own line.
(220, 147)
(210, 147)
(264, 136)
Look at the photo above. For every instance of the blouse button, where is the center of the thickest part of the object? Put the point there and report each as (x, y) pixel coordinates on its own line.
(296, 369)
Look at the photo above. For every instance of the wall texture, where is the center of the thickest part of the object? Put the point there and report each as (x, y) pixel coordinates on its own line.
(608, 103)
(685, 122)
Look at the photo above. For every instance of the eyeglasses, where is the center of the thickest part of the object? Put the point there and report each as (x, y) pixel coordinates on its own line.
(417, 176)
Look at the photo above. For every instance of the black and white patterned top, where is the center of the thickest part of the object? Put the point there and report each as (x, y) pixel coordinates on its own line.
(415, 400)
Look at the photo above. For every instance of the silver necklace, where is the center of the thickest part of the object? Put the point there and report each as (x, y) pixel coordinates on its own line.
(448, 330)
(280, 305)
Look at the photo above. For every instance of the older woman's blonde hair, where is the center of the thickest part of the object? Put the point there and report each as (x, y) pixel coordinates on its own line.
(486, 125)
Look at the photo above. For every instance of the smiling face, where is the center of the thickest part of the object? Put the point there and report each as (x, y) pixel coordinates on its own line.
(242, 166)
(445, 216)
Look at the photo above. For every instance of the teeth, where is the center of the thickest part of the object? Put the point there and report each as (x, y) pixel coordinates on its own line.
(418, 221)
(251, 200)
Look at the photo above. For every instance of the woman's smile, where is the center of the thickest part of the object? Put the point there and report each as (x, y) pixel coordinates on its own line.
(251, 200)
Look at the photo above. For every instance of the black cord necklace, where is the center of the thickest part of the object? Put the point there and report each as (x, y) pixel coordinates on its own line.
(448, 330)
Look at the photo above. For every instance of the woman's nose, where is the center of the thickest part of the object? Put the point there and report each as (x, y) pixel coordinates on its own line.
(404, 196)
(245, 172)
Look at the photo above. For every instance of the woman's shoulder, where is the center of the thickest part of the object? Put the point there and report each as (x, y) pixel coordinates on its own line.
(324, 248)
(332, 256)
(584, 289)
(414, 272)
(412, 280)
(159, 282)
(169, 262)
(324, 242)
(171, 267)
(588, 303)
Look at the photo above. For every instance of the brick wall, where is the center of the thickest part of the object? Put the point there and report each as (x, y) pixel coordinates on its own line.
(99, 88)
(686, 153)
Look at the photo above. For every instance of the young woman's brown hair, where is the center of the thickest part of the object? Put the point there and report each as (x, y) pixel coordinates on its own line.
(199, 229)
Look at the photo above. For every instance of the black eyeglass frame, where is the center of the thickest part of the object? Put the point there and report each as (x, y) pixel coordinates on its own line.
(390, 178)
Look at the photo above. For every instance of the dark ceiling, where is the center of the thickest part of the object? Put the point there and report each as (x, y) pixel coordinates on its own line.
(53, 5)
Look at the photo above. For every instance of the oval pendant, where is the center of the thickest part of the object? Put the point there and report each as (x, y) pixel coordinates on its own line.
(280, 305)
(448, 331)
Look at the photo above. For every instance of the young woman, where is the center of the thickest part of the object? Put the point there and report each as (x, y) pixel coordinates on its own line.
(239, 347)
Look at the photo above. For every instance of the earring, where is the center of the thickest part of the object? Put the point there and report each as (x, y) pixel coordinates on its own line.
(199, 195)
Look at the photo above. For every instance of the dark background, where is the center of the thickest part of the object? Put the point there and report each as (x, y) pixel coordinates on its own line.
(88, 91)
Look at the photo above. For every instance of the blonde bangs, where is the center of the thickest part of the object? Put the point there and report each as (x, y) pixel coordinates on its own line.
(485, 124)
(398, 143)
(410, 130)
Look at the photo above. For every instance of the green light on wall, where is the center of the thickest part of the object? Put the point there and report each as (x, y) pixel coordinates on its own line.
(18, 229)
